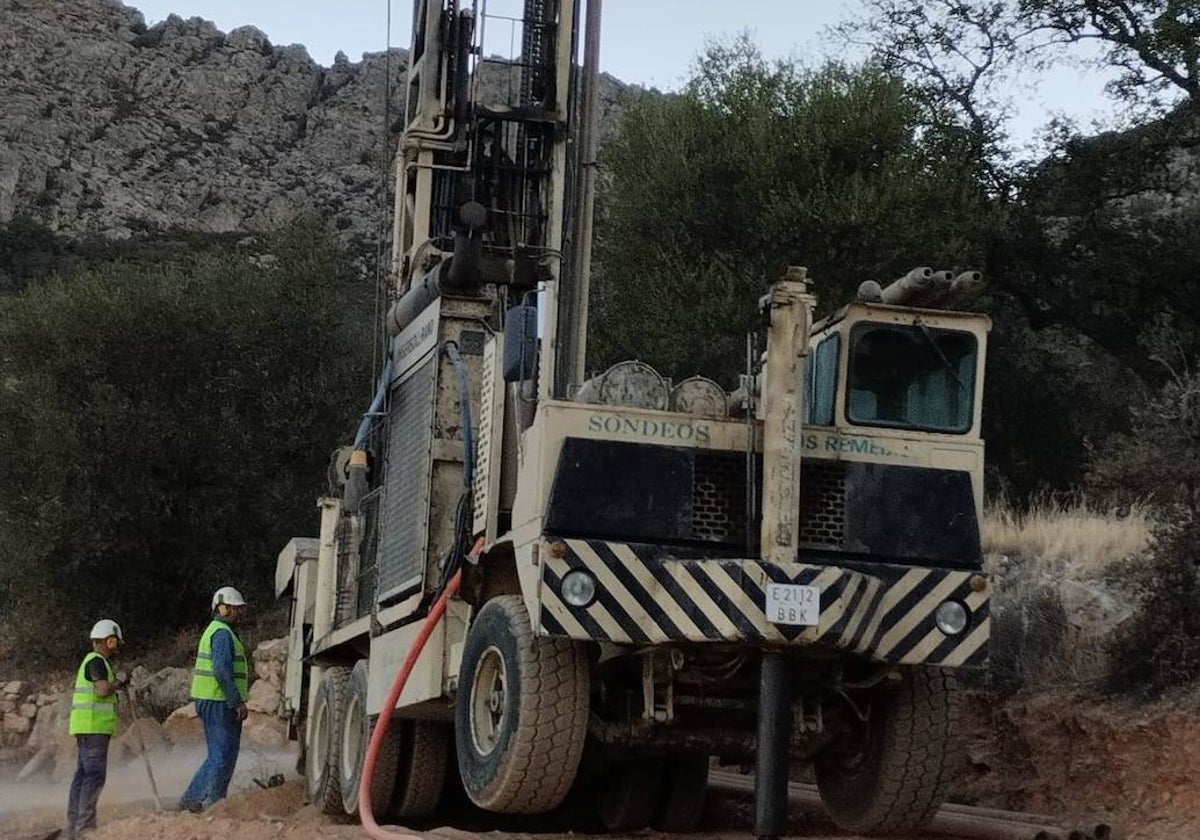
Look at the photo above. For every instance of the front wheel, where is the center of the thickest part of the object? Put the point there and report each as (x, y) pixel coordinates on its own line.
(520, 716)
(892, 773)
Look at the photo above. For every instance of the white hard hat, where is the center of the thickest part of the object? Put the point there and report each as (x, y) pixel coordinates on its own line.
(228, 595)
(104, 628)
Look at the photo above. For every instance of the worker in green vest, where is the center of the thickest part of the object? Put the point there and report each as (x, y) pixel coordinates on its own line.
(220, 686)
(93, 721)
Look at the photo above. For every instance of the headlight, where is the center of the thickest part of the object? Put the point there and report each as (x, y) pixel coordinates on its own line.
(951, 618)
(578, 588)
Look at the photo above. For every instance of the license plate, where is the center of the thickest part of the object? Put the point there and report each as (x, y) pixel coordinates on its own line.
(791, 603)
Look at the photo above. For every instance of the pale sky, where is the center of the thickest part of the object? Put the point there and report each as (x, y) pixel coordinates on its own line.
(647, 42)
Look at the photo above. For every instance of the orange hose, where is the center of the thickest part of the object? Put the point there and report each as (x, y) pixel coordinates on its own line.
(366, 814)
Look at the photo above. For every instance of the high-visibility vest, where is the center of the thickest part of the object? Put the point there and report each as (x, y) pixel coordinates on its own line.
(92, 714)
(204, 679)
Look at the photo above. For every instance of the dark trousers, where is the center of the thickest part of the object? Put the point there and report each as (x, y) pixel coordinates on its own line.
(90, 774)
(223, 735)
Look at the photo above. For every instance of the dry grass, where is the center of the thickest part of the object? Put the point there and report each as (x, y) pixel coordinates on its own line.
(1073, 531)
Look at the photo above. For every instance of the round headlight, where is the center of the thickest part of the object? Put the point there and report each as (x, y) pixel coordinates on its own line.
(578, 588)
(951, 618)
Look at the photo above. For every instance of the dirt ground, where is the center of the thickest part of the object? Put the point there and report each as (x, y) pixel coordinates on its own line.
(1135, 766)
(282, 813)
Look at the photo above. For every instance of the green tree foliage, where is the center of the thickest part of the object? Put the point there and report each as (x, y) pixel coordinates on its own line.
(707, 195)
(164, 429)
(1158, 458)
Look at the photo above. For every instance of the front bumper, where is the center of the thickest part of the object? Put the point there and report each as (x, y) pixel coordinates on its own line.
(645, 595)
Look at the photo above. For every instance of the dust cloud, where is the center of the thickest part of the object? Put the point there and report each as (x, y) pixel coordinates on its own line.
(38, 804)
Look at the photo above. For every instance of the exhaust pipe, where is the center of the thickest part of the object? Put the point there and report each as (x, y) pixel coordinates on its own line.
(458, 273)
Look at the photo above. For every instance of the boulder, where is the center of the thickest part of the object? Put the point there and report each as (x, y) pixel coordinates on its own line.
(264, 697)
(13, 687)
(15, 723)
(159, 694)
(182, 727)
(51, 722)
(270, 661)
(264, 730)
(145, 732)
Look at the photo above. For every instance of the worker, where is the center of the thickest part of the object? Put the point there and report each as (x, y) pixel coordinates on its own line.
(93, 721)
(220, 686)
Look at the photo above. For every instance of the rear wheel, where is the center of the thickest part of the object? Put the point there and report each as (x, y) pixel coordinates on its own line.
(323, 752)
(421, 775)
(521, 712)
(357, 729)
(685, 781)
(892, 774)
(629, 795)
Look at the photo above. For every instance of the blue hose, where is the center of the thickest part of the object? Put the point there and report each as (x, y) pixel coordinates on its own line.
(364, 428)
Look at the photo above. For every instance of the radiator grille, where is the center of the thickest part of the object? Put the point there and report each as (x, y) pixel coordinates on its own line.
(484, 454)
(403, 535)
(823, 503)
(719, 496)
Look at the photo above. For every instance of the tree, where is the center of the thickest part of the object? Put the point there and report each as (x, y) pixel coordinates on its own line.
(1159, 457)
(956, 55)
(164, 429)
(961, 54)
(708, 194)
(1155, 44)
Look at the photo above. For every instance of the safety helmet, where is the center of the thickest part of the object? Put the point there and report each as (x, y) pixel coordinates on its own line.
(104, 628)
(229, 596)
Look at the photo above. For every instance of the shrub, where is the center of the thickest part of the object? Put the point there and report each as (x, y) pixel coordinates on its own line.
(164, 429)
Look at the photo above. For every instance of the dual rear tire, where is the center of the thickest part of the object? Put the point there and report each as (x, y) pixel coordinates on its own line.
(410, 770)
(521, 717)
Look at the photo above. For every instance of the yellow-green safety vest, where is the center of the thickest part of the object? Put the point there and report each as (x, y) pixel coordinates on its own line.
(92, 714)
(204, 679)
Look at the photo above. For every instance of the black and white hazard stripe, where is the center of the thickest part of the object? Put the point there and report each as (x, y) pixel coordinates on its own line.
(647, 597)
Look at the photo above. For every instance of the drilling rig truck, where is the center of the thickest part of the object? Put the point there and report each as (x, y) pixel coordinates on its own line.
(650, 575)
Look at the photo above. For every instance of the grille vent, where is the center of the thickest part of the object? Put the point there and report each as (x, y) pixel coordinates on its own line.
(719, 496)
(823, 503)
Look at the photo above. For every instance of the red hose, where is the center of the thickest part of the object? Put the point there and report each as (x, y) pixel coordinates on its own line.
(366, 814)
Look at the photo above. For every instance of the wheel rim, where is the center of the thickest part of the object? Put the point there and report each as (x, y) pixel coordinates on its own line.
(318, 750)
(489, 701)
(352, 738)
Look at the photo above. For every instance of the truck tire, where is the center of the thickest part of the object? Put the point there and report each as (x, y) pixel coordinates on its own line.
(629, 795)
(684, 784)
(896, 778)
(357, 728)
(324, 746)
(421, 772)
(521, 713)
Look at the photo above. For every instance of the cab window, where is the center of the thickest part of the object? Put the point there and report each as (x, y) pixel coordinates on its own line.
(911, 377)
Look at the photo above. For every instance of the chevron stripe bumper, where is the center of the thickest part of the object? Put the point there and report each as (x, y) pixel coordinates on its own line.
(646, 596)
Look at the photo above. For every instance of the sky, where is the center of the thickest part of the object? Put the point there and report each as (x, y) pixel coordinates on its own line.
(647, 42)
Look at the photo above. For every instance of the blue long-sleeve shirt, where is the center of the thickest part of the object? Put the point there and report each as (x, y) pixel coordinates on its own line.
(222, 659)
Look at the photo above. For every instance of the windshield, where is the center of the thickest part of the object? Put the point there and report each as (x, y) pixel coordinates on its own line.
(911, 377)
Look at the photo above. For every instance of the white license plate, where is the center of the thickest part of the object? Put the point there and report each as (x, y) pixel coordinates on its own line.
(791, 603)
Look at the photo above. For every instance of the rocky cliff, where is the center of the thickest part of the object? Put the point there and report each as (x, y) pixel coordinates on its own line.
(112, 129)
